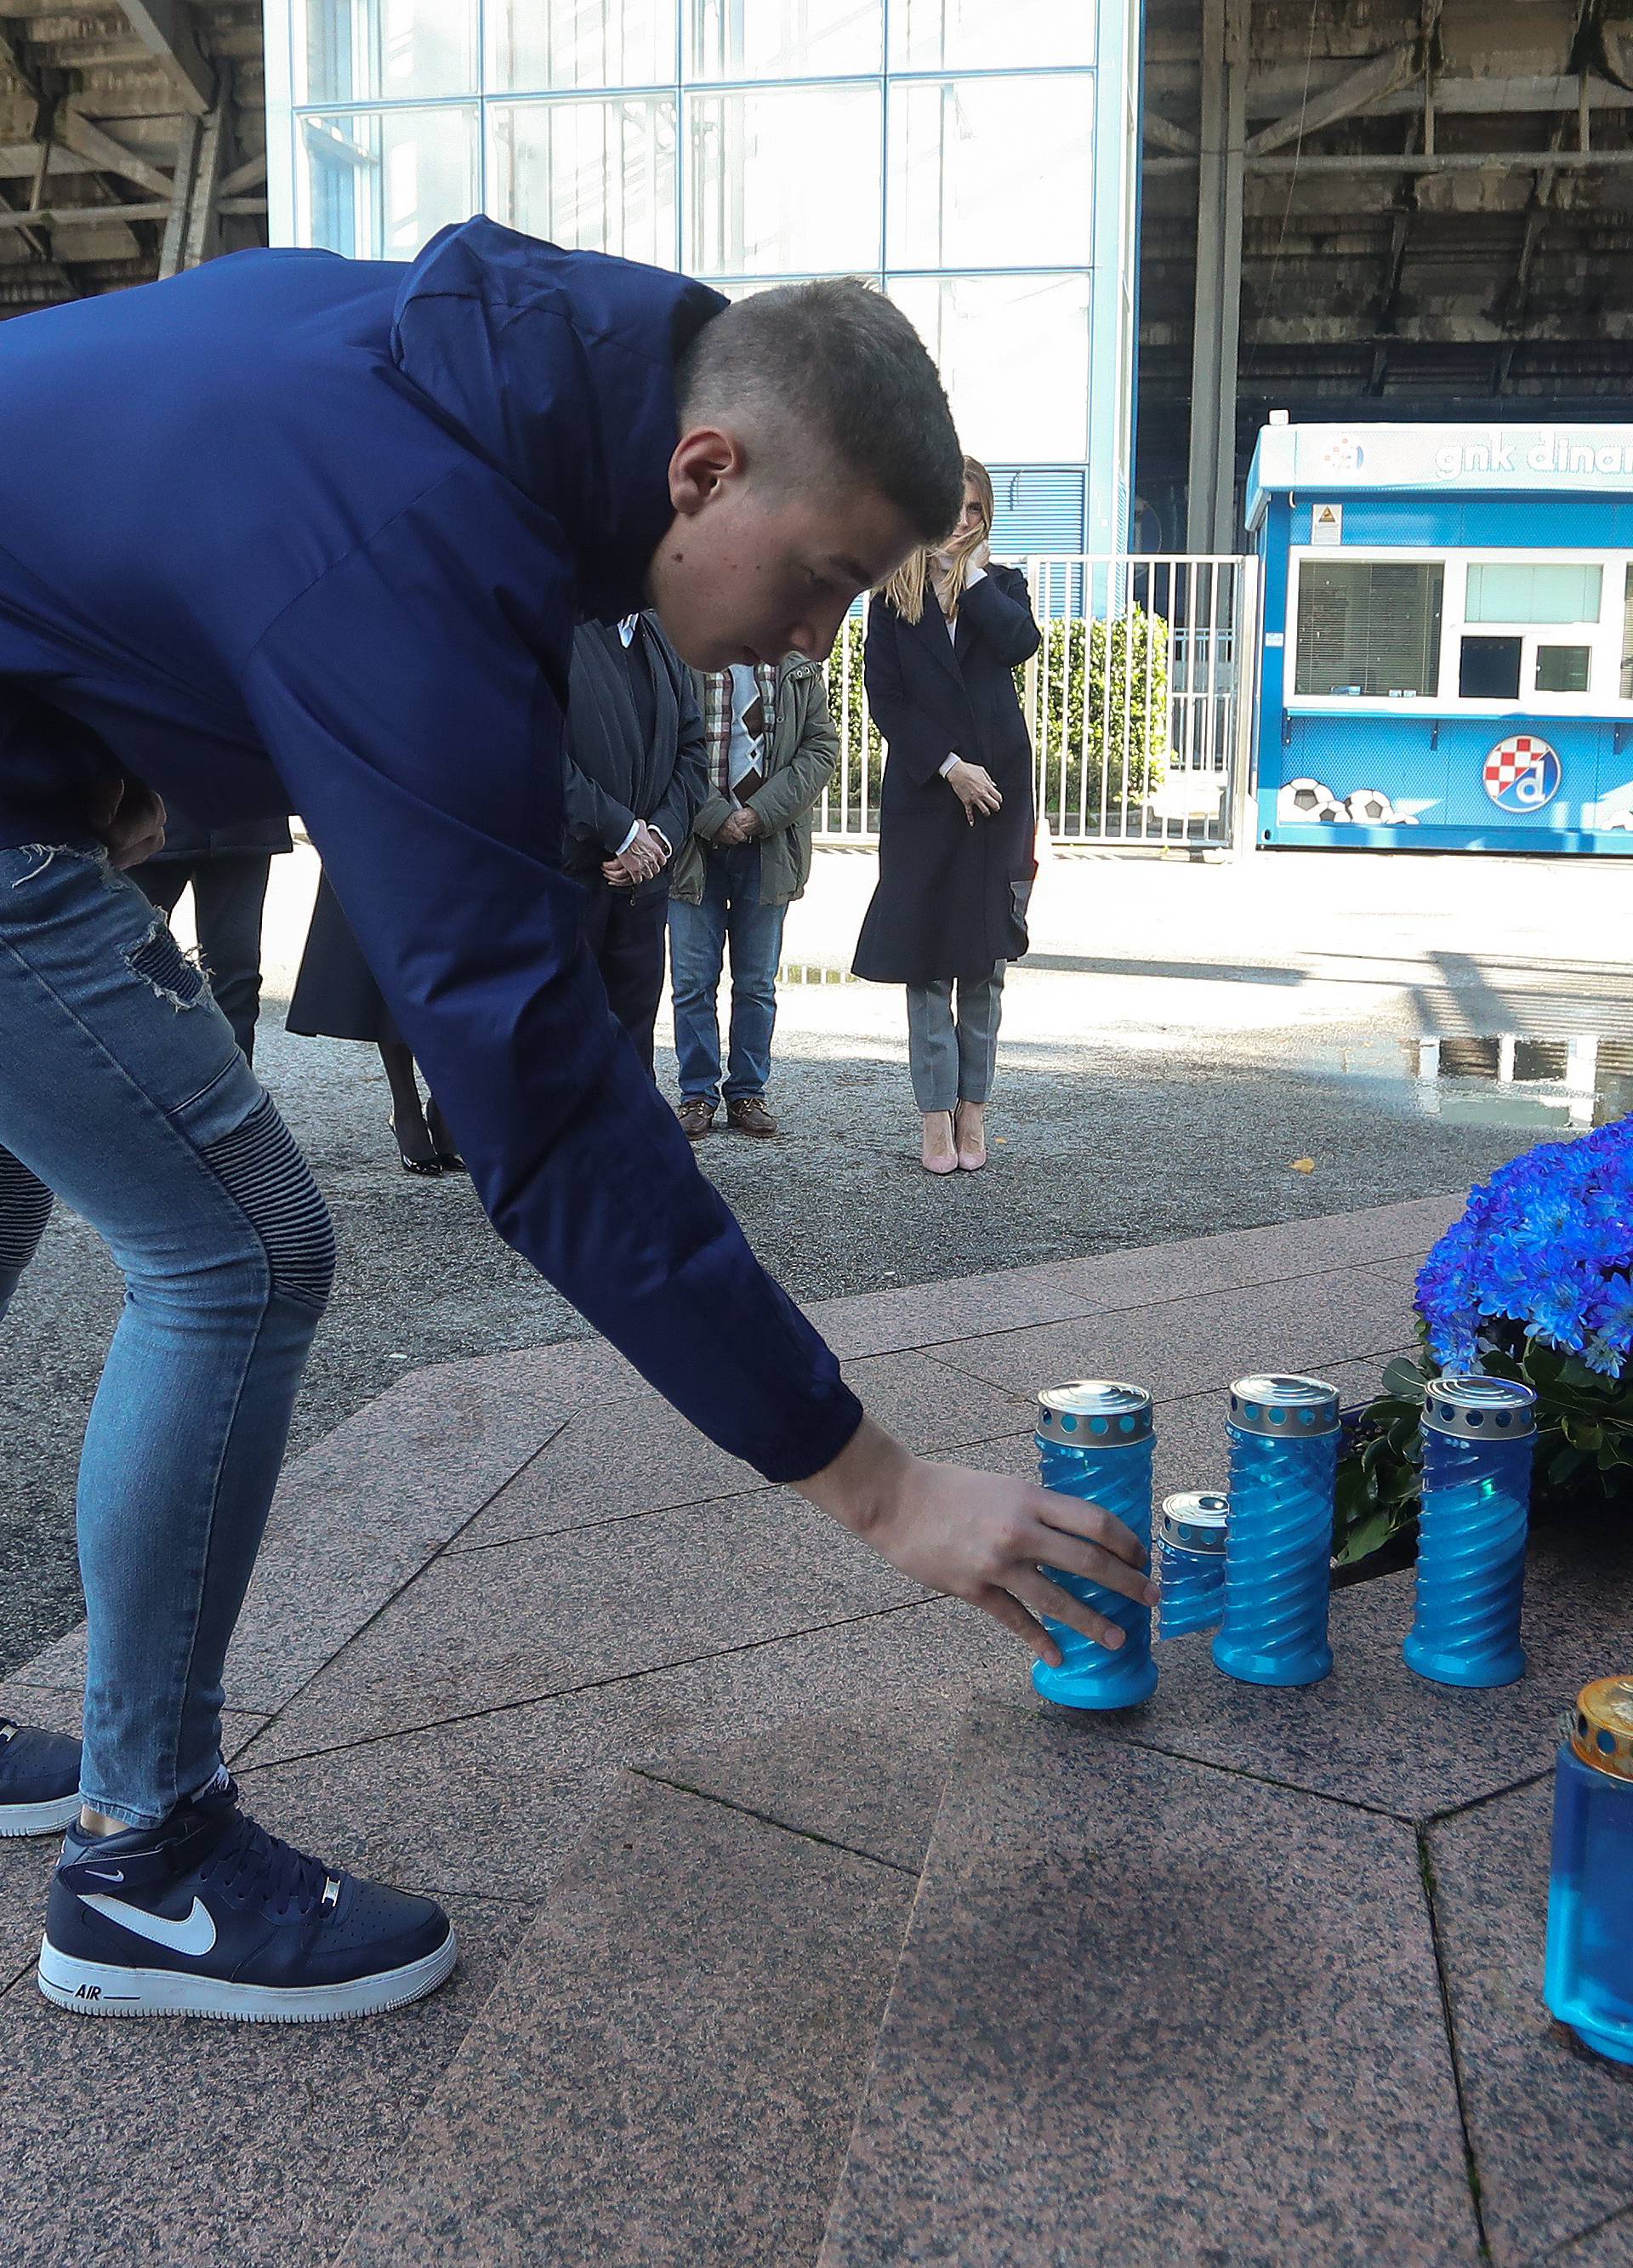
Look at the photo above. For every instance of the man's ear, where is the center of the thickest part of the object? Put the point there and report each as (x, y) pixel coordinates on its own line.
(704, 460)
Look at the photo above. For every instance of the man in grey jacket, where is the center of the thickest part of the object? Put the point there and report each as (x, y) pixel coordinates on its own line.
(771, 750)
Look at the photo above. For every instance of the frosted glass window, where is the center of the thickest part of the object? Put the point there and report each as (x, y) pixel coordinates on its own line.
(980, 35)
(371, 50)
(538, 46)
(598, 176)
(783, 180)
(1014, 352)
(783, 39)
(985, 173)
(376, 187)
(1518, 592)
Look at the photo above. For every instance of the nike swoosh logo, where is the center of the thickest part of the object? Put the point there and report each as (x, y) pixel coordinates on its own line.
(106, 1873)
(194, 1935)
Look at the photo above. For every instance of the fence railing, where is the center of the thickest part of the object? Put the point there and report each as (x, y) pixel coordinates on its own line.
(1139, 703)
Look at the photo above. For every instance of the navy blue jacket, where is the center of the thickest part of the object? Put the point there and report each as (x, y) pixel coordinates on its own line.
(293, 533)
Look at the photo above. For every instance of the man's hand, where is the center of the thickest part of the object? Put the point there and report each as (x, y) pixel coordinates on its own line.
(977, 789)
(129, 820)
(743, 826)
(981, 1537)
(645, 855)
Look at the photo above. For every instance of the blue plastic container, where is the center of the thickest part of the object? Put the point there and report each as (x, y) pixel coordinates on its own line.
(1283, 1436)
(1095, 1440)
(1588, 1983)
(1479, 1438)
(1190, 1562)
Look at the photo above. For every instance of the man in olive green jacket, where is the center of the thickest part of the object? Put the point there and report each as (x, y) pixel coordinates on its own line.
(771, 751)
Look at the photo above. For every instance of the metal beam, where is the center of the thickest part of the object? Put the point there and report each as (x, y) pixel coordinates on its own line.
(202, 239)
(1359, 91)
(164, 30)
(1163, 134)
(88, 141)
(57, 216)
(1439, 161)
(175, 214)
(249, 175)
(1210, 525)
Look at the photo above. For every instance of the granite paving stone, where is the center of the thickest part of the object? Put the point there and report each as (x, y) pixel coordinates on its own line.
(1150, 2013)
(485, 1627)
(190, 2144)
(924, 1316)
(1373, 1733)
(1610, 2246)
(1202, 1339)
(666, 2075)
(493, 1802)
(1550, 2123)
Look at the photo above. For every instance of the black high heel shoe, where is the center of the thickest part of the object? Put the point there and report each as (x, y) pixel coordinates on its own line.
(429, 1168)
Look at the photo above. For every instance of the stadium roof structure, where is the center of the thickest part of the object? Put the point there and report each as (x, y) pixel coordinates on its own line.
(132, 143)
(1380, 208)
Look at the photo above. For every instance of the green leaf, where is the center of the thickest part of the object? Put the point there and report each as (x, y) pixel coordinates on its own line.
(1582, 1435)
(1404, 1380)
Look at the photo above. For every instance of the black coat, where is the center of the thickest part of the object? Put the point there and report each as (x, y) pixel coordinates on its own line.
(185, 838)
(952, 897)
(617, 772)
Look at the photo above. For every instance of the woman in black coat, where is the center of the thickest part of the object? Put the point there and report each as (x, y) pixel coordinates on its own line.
(955, 816)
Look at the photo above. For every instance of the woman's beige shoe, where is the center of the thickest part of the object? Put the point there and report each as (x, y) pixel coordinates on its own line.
(969, 1136)
(939, 1154)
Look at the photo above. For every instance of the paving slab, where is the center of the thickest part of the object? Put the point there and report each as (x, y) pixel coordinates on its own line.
(666, 2075)
(1372, 1733)
(485, 1628)
(1608, 2247)
(1149, 2013)
(1550, 2123)
(188, 2143)
(492, 1803)
(1198, 1339)
(924, 1316)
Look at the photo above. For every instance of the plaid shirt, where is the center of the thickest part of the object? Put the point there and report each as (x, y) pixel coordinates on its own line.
(716, 708)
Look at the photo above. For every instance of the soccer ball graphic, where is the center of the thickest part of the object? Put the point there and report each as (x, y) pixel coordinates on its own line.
(1368, 806)
(1615, 822)
(1307, 802)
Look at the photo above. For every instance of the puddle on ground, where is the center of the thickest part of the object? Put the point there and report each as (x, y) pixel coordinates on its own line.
(1555, 1086)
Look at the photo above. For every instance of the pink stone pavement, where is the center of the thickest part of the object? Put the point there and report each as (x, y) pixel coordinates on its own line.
(793, 1927)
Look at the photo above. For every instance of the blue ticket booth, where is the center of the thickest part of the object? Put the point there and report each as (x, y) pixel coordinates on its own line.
(1448, 636)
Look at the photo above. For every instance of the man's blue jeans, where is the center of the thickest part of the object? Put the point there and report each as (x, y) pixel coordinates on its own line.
(698, 935)
(122, 1091)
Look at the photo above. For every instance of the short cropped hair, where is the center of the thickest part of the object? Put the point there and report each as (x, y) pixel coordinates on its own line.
(836, 373)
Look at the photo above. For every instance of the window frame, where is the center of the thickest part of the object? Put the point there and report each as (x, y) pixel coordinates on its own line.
(1604, 637)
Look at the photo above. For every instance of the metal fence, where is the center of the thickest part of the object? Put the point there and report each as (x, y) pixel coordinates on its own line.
(1139, 703)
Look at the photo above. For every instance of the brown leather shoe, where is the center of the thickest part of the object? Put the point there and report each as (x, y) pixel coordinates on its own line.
(749, 1113)
(696, 1115)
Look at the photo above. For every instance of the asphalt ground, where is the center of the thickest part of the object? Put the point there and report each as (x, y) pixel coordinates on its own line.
(1110, 1131)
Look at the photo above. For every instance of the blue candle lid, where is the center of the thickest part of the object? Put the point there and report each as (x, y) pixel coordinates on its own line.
(1476, 1409)
(1195, 1521)
(1095, 1413)
(1286, 1408)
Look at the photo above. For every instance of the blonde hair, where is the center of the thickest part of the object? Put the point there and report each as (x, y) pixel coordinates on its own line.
(905, 591)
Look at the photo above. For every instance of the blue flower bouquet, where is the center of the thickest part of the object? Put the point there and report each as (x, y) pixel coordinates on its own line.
(1535, 1282)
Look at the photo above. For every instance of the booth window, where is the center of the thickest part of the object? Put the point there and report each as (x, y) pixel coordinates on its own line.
(1367, 629)
(1511, 590)
(1488, 669)
(1563, 668)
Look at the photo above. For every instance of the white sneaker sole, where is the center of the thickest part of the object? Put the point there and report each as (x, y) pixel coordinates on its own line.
(39, 1818)
(94, 1988)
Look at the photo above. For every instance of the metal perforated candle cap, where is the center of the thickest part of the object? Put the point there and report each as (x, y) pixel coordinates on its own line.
(1195, 1520)
(1601, 1731)
(1095, 1413)
(1286, 1408)
(1476, 1409)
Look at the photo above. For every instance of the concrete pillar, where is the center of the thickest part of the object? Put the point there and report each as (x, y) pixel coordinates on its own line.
(1210, 524)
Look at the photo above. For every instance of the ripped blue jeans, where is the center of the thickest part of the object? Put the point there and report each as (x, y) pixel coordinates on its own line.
(123, 1091)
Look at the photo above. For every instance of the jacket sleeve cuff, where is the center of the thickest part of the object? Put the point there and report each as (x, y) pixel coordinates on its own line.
(827, 1426)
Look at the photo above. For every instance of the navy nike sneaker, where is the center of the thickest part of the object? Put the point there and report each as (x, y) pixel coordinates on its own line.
(39, 1780)
(208, 1915)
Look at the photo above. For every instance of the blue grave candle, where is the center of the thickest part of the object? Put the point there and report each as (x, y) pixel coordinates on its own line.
(1190, 1571)
(1283, 1437)
(1588, 1982)
(1095, 1440)
(1479, 1437)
